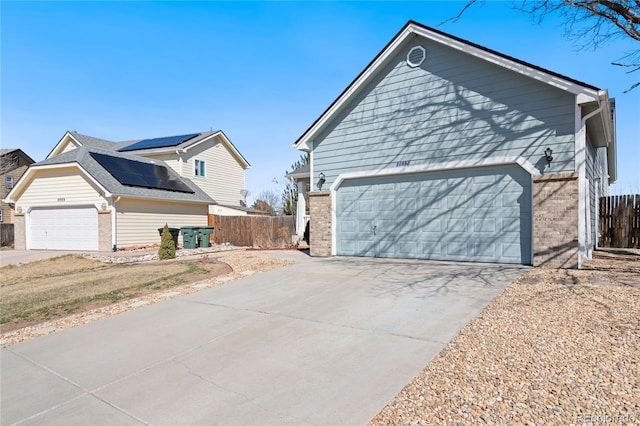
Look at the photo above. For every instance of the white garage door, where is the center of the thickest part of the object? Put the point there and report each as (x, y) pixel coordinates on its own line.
(63, 229)
(481, 215)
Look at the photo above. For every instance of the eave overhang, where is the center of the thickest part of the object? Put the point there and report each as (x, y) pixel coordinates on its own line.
(583, 92)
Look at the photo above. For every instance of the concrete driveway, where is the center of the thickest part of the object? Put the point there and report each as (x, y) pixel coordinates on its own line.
(16, 257)
(325, 341)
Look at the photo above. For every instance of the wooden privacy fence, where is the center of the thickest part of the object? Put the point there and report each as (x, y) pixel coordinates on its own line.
(620, 221)
(253, 231)
(6, 234)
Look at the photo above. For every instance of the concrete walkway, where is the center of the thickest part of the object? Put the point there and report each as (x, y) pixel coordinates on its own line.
(325, 341)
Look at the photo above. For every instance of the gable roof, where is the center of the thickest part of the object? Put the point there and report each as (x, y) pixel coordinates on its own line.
(17, 151)
(583, 91)
(174, 144)
(81, 158)
(184, 143)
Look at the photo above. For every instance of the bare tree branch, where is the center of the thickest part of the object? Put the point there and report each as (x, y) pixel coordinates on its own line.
(589, 23)
(459, 15)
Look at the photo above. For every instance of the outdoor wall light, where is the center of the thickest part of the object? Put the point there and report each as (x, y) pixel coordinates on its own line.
(548, 154)
(321, 181)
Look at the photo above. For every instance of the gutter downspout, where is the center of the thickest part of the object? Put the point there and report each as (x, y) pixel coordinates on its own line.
(114, 212)
(584, 211)
(180, 160)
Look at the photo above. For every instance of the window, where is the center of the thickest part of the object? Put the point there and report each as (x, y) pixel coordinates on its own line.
(200, 168)
(1, 216)
(8, 182)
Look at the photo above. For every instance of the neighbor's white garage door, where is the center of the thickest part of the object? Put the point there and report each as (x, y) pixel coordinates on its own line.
(63, 229)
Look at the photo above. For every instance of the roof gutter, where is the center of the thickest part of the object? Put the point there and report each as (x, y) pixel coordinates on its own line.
(604, 106)
(181, 160)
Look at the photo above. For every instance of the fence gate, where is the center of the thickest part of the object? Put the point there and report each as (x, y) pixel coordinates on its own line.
(620, 221)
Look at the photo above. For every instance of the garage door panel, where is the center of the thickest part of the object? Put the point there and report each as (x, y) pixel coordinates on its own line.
(63, 229)
(487, 225)
(474, 214)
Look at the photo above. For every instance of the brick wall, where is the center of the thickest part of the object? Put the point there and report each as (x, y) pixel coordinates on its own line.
(555, 220)
(104, 230)
(320, 223)
(19, 232)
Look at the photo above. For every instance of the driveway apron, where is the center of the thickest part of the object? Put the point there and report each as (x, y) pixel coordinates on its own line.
(324, 341)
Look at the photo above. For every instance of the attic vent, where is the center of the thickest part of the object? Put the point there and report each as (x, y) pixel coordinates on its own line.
(416, 56)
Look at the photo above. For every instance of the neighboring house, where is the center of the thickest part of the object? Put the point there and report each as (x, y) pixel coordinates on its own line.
(443, 149)
(93, 194)
(301, 177)
(13, 164)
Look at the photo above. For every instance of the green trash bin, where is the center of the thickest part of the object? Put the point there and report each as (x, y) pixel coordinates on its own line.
(204, 236)
(189, 237)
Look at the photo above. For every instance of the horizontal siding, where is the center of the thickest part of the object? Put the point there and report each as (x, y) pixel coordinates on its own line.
(170, 159)
(224, 175)
(69, 146)
(137, 221)
(453, 107)
(50, 186)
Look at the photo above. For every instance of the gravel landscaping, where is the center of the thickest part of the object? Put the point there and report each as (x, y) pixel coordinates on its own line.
(556, 347)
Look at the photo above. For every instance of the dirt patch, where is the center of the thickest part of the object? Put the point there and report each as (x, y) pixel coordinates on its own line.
(226, 267)
(51, 288)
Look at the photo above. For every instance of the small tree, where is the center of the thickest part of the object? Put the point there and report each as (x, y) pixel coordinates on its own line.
(167, 246)
(268, 202)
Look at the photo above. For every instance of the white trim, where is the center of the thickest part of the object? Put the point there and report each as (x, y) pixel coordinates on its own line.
(527, 71)
(27, 216)
(312, 186)
(451, 165)
(197, 172)
(533, 224)
(583, 94)
(334, 223)
(227, 143)
(56, 149)
(34, 169)
(580, 168)
(114, 222)
(64, 205)
(426, 168)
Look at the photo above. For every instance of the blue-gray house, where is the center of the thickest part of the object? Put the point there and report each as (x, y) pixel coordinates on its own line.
(443, 149)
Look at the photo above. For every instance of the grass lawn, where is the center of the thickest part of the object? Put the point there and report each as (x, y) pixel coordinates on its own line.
(52, 288)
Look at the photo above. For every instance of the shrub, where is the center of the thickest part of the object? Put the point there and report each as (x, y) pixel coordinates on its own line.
(167, 246)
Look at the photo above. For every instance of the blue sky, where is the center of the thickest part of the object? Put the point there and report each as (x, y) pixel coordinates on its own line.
(261, 72)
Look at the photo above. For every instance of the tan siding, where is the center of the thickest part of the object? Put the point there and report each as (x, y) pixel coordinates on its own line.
(69, 146)
(59, 186)
(225, 211)
(137, 221)
(170, 159)
(224, 175)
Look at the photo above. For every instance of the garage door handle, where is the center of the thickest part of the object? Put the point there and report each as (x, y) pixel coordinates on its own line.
(375, 227)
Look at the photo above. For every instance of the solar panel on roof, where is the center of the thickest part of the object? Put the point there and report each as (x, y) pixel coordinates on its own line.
(159, 142)
(144, 175)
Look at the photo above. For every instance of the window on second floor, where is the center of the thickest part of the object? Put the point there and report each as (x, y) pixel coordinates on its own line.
(200, 168)
(1, 216)
(8, 182)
